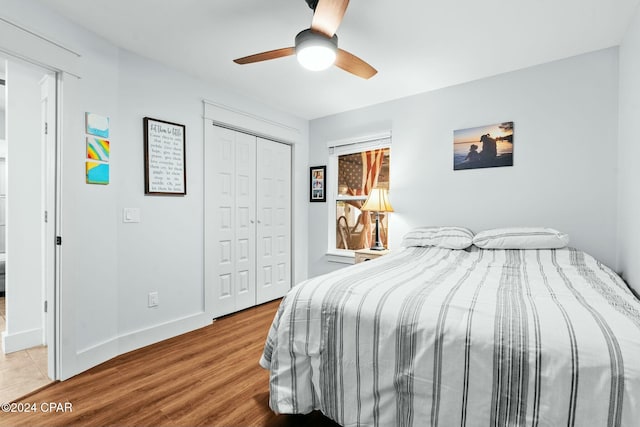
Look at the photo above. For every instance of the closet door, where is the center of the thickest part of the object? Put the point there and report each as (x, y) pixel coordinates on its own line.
(273, 273)
(230, 188)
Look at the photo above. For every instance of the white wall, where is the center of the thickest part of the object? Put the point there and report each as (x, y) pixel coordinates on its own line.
(24, 209)
(2, 106)
(629, 152)
(2, 100)
(2, 121)
(565, 155)
(164, 253)
(107, 267)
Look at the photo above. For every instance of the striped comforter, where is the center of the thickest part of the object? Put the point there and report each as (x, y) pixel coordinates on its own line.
(430, 336)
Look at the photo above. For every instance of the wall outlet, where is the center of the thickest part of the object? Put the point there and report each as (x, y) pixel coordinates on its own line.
(153, 300)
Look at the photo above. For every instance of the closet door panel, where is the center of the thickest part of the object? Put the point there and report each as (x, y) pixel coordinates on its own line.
(274, 220)
(245, 260)
(219, 219)
(229, 242)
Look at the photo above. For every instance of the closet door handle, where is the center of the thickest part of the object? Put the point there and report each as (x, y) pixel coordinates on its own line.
(252, 221)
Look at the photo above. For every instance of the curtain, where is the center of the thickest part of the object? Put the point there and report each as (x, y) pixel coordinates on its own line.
(371, 166)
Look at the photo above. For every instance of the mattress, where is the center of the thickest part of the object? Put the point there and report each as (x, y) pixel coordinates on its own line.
(431, 336)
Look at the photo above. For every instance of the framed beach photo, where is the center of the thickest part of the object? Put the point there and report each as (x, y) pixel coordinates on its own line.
(317, 184)
(487, 146)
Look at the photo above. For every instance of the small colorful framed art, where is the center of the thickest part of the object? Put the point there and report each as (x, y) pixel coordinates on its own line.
(318, 190)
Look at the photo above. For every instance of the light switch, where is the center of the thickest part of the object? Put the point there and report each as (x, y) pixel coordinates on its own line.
(131, 215)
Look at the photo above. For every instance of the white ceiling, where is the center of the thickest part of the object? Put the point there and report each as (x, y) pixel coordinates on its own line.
(416, 45)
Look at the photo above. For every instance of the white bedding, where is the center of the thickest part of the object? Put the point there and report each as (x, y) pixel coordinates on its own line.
(430, 336)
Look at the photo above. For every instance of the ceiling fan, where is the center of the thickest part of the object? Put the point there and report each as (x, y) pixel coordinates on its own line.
(317, 47)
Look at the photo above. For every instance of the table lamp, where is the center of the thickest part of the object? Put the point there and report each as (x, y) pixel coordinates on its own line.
(378, 201)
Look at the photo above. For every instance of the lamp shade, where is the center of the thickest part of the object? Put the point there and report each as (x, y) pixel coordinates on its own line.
(378, 201)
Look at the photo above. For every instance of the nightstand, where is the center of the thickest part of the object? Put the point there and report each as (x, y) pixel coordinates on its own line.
(367, 254)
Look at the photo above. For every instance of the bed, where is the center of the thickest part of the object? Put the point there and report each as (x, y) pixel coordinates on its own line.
(435, 335)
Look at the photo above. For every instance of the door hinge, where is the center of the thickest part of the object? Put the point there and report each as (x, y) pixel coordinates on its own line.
(46, 128)
(58, 240)
(46, 216)
(46, 306)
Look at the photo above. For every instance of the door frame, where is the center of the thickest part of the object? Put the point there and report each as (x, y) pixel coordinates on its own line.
(49, 121)
(50, 107)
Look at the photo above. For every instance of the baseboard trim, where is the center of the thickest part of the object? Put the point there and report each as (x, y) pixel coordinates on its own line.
(21, 340)
(147, 336)
(90, 357)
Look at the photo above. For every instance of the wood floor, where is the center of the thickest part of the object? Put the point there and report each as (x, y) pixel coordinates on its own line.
(208, 377)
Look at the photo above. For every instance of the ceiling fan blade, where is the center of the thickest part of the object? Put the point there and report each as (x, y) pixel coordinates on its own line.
(265, 56)
(354, 65)
(328, 16)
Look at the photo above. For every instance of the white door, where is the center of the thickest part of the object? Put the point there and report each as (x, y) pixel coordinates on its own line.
(229, 219)
(245, 211)
(48, 114)
(274, 221)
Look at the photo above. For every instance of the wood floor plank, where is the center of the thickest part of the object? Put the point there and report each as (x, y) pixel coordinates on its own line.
(207, 377)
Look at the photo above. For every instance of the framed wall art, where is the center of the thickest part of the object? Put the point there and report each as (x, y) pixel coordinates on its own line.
(98, 149)
(164, 158)
(487, 146)
(318, 188)
(97, 125)
(97, 173)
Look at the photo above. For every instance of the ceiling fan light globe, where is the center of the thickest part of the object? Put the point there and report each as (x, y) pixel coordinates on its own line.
(316, 58)
(316, 51)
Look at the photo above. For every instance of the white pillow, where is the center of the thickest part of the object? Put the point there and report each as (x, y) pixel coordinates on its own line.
(521, 238)
(442, 237)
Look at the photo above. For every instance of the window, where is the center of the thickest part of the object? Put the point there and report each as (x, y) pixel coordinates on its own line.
(354, 169)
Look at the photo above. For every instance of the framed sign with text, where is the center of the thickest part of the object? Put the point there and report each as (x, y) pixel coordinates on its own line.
(164, 158)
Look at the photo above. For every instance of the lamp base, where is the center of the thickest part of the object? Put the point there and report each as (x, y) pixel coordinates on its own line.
(378, 244)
